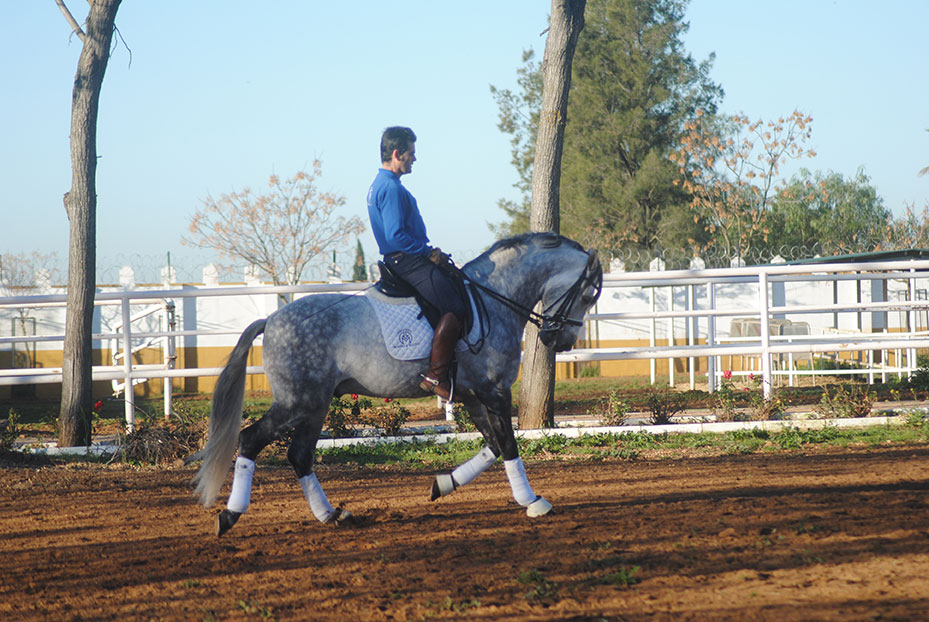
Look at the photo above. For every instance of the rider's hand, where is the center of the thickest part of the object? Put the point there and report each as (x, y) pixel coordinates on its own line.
(439, 258)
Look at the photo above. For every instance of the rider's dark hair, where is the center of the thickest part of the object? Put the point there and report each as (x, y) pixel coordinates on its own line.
(397, 137)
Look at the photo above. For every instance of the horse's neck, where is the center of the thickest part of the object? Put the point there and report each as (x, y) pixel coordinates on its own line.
(521, 279)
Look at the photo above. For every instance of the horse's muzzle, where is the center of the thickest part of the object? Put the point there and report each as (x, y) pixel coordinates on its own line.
(548, 337)
(559, 340)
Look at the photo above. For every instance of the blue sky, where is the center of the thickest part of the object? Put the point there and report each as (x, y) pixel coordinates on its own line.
(220, 94)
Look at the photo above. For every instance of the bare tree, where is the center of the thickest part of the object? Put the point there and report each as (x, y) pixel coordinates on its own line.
(537, 392)
(74, 417)
(279, 232)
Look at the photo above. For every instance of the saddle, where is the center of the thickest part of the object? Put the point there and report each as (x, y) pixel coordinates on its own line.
(392, 285)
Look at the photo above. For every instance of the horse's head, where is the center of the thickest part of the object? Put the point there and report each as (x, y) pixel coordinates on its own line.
(566, 299)
(522, 270)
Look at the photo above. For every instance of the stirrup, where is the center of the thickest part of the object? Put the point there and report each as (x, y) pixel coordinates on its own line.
(431, 385)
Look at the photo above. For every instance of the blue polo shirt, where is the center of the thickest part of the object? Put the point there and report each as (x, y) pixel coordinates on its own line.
(395, 219)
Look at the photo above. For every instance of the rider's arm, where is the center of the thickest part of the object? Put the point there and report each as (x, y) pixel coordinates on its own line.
(404, 229)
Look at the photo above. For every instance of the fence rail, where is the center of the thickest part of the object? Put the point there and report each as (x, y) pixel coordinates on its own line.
(764, 347)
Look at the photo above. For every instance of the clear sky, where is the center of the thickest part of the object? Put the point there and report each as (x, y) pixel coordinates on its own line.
(221, 93)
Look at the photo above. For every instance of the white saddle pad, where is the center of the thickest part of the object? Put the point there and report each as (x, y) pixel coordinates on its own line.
(407, 335)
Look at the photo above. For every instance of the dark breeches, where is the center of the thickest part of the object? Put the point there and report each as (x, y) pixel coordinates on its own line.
(431, 282)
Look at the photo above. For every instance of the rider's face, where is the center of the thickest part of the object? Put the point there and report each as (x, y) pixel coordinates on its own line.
(404, 161)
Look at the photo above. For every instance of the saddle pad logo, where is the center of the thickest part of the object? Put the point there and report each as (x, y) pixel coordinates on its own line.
(404, 338)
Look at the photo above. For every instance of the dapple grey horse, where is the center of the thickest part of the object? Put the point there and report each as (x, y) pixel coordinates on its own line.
(330, 345)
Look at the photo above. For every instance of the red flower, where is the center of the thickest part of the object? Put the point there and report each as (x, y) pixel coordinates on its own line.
(727, 375)
(354, 396)
(751, 376)
(98, 406)
(387, 400)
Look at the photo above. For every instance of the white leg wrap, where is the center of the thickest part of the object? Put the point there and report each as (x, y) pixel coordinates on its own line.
(473, 467)
(516, 473)
(319, 504)
(241, 493)
(445, 484)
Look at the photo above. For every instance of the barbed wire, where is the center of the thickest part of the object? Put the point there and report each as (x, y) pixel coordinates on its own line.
(634, 259)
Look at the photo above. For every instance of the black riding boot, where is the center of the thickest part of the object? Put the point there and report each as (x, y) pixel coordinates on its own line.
(447, 333)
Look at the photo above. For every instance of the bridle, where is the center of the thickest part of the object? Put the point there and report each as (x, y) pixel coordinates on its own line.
(554, 317)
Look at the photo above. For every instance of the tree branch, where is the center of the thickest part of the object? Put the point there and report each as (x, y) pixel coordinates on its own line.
(75, 27)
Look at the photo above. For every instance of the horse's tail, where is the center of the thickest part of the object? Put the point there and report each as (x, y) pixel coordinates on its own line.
(225, 419)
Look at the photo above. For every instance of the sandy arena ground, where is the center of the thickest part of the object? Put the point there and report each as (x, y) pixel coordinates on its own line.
(824, 534)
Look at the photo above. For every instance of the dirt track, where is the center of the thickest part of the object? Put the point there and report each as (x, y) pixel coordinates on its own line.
(822, 535)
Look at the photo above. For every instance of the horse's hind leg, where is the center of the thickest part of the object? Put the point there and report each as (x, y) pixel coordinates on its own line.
(274, 424)
(446, 483)
(302, 455)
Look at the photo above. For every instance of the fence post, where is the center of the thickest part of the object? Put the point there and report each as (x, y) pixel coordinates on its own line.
(652, 329)
(170, 355)
(128, 389)
(911, 363)
(763, 307)
(711, 338)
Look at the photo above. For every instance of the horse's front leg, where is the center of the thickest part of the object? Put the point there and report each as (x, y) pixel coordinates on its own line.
(492, 416)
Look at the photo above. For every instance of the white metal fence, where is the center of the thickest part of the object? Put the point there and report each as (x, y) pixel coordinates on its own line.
(696, 303)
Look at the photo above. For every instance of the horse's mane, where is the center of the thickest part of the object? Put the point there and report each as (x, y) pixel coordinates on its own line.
(545, 239)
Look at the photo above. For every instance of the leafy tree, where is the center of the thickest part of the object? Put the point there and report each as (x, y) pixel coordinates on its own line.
(360, 271)
(74, 416)
(633, 87)
(519, 117)
(828, 214)
(279, 232)
(731, 168)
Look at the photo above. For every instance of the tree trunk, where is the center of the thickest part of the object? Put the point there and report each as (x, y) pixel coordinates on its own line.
(537, 391)
(74, 417)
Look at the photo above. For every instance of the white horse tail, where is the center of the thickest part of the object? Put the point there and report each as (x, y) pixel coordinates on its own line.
(225, 419)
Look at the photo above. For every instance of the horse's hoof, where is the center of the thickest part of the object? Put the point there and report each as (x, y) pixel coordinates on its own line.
(340, 517)
(539, 507)
(443, 485)
(225, 520)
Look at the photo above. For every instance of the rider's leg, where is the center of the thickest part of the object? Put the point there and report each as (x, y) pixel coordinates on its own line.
(447, 333)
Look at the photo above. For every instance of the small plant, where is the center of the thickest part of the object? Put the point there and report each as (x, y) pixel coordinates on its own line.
(389, 418)
(463, 421)
(540, 587)
(767, 408)
(344, 415)
(845, 403)
(725, 399)
(663, 404)
(613, 410)
(624, 577)
(9, 430)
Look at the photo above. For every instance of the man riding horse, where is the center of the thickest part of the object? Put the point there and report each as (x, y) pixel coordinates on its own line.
(401, 238)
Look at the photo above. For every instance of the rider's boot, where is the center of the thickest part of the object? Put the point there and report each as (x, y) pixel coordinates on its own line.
(447, 333)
